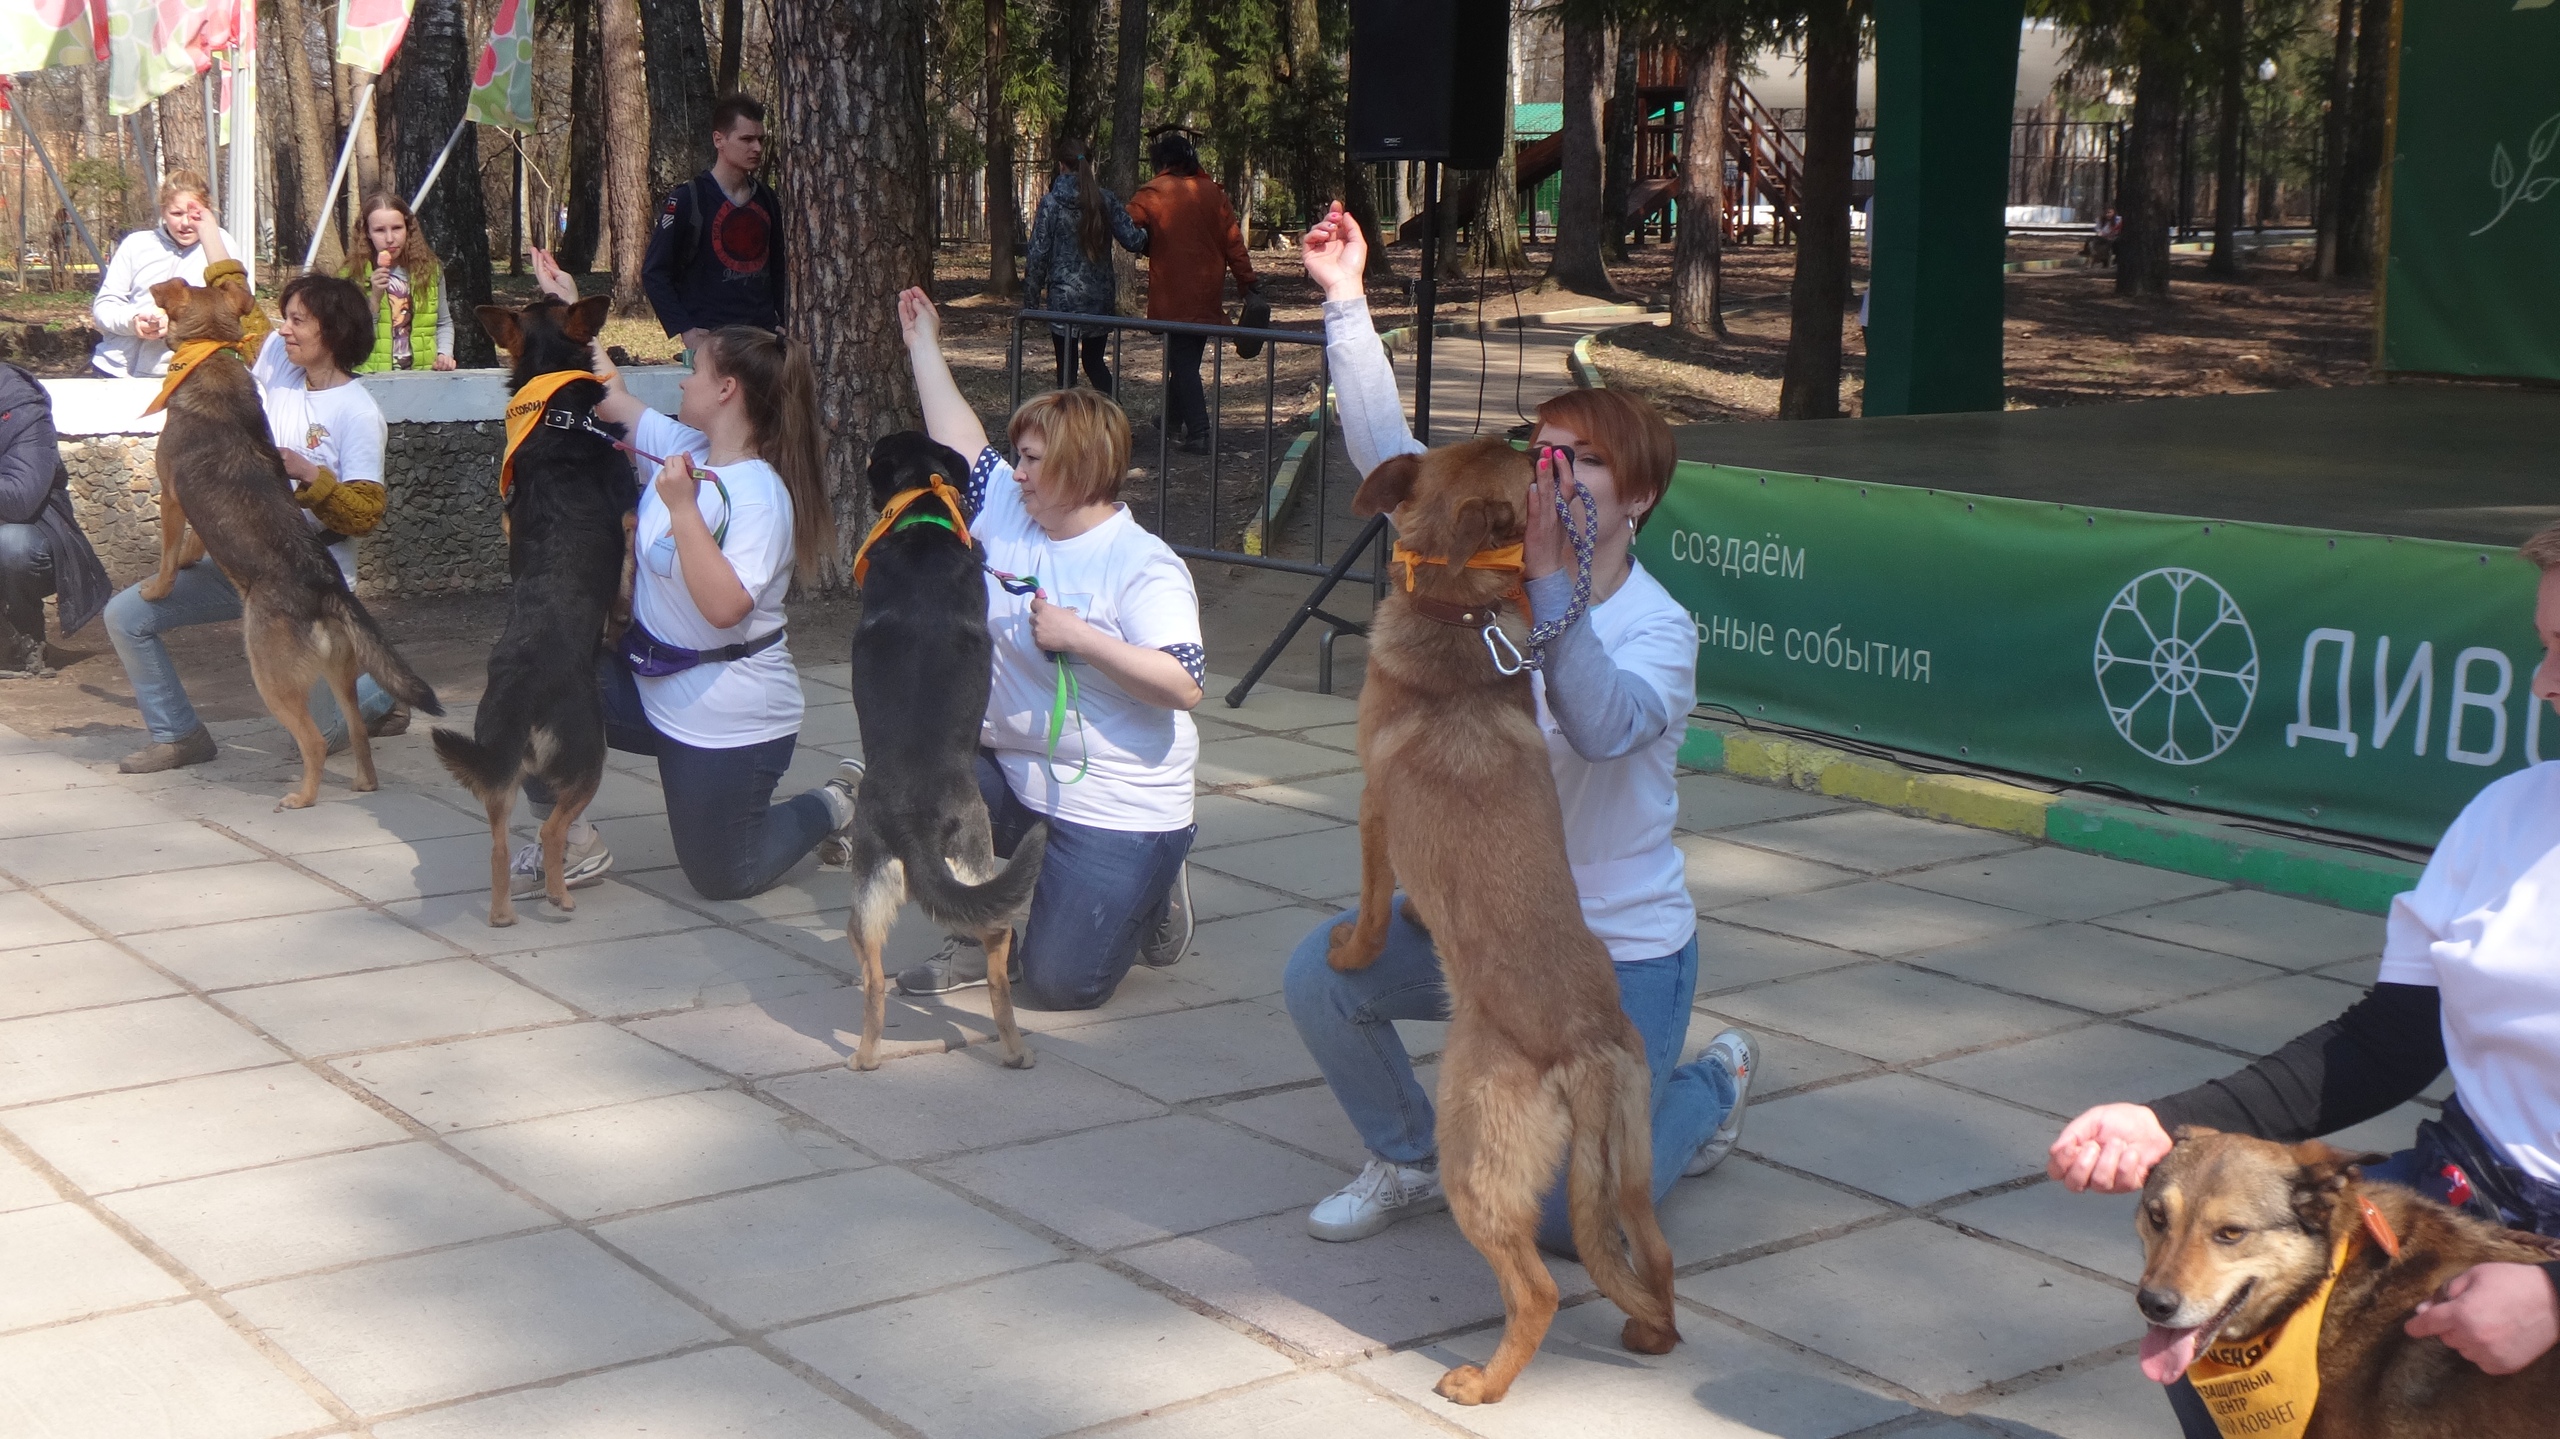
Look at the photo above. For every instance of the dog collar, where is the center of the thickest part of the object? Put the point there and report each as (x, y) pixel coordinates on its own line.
(1466, 617)
(1506, 656)
(1506, 557)
(894, 516)
(528, 411)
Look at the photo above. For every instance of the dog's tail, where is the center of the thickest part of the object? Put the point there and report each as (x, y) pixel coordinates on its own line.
(374, 654)
(483, 769)
(979, 906)
(1609, 1193)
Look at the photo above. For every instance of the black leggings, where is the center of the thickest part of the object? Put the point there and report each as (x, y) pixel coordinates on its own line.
(1096, 373)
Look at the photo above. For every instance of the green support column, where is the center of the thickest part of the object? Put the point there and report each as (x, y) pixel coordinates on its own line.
(1946, 83)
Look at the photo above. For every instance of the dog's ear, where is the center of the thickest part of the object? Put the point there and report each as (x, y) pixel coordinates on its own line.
(1469, 528)
(2326, 1168)
(170, 296)
(1389, 485)
(236, 294)
(585, 319)
(503, 326)
(2185, 1132)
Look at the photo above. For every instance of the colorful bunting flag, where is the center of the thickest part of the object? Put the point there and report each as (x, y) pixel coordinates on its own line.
(502, 81)
(155, 46)
(369, 31)
(40, 34)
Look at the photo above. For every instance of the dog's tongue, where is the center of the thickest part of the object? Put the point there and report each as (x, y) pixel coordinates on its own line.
(2166, 1353)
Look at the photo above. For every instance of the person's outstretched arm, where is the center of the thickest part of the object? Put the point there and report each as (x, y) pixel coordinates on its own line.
(1372, 414)
(947, 416)
(118, 300)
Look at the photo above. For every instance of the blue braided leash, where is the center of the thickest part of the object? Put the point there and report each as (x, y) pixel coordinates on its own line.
(1584, 534)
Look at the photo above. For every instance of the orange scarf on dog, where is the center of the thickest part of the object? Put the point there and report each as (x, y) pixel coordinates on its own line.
(1507, 557)
(182, 363)
(524, 415)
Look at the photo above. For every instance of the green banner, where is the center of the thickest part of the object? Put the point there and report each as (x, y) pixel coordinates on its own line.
(2350, 682)
(2475, 192)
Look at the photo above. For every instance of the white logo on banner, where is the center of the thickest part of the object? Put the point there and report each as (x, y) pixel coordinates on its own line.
(2177, 666)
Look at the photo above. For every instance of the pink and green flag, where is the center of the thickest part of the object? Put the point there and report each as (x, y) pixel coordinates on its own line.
(502, 81)
(155, 46)
(370, 30)
(40, 34)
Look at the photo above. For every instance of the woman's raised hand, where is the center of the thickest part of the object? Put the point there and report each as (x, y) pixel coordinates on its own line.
(1543, 547)
(1337, 255)
(549, 278)
(918, 324)
(2109, 1149)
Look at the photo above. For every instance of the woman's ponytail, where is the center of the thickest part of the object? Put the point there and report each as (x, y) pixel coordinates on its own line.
(1093, 225)
(780, 388)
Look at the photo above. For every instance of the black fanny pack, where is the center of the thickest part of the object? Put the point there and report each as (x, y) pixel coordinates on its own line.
(652, 658)
(2461, 1168)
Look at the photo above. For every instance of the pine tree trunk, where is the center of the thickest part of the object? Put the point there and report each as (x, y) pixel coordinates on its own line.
(2150, 186)
(585, 197)
(1619, 167)
(680, 99)
(2357, 223)
(857, 201)
(1496, 229)
(182, 130)
(1697, 255)
(1080, 61)
(1004, 216)
(314, 156)
(1128, 138)
(626, 151)
(2333, 148)
(1581, 221)
(2228, 182)
(733, 23)
(1819, 297)
(434, 67)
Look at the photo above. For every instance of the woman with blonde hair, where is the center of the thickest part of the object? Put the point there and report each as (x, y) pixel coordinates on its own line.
(133, 334)
(733, 503)
(1097, 667)
(407, 287)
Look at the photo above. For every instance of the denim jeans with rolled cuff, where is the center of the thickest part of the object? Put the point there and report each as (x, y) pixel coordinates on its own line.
(1348, 1023)
(729, 840)
(201, 596)
(26, 577)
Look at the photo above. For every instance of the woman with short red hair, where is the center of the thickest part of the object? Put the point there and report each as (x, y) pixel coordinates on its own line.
(1614, 688)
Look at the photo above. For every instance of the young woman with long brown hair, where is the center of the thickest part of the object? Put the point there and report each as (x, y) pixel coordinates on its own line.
(738, 507)
(406, 284)
(1069, 267)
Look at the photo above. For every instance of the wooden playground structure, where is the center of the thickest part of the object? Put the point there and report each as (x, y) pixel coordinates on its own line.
(1764, 161)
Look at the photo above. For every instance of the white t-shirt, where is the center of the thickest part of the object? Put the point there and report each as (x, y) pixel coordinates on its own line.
(716, 705)
(1618, 814)
(2483, 927)
(340, 429)
(1129, 585)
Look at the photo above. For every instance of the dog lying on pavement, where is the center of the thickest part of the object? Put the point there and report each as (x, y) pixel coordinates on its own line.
(923, 663)
(569, 501)
(1541, 1063)
(223, 486)
(2279, 1281)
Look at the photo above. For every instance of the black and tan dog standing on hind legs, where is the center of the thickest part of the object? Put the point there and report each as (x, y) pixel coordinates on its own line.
(923, 662)
(1460, 810)
(569, 496)
(223, 487)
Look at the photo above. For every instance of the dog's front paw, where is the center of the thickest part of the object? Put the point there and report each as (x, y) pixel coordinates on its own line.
(1643, 1338)
(1024, 1060)
(293, 801)
(1463, 1385)
(865, 1059)
(1349, 950)
(157, 589)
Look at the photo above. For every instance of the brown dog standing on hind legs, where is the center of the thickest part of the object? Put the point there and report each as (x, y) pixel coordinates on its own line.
(1459, 809)
(2240, 1236)
(223, 483)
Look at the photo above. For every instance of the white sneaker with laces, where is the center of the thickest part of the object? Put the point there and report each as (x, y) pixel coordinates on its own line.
(1384, 1193)
(580, 865)
(1738, 1055)
(838, 793)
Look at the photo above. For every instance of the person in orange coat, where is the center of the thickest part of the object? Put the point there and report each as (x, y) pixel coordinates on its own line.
(1191, 237)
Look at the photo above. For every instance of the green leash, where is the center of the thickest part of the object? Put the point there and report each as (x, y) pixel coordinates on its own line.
(1069, 694)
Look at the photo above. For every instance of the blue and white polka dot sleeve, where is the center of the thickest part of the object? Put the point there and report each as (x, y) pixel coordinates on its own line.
(1194, 662)
(975, 496)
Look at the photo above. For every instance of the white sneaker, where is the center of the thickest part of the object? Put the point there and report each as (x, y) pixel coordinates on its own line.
(835, 851)
(1384, 1193)
(580, 865)
(1737, 1054)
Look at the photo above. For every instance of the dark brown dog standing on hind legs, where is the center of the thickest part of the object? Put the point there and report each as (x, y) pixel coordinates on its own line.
(223, 484)
(1460, 810)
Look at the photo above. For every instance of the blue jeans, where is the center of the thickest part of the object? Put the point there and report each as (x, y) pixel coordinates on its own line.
(730, 842)
(1101, 891)
(201, 596)
(26, 577)
(1347, 1021)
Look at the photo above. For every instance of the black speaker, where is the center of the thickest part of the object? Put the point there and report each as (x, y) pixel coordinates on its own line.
(1429, 79)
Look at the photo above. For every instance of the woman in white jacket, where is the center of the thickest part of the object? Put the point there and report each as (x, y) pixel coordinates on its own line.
(133, 334)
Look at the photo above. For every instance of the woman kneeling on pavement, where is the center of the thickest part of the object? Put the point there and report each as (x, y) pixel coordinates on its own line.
(331, 437)
(1613, 696)
(1113, 629)
(738, 504)
(2467, 983)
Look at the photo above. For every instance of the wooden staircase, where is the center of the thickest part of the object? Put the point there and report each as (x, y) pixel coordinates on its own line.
(1764, 162)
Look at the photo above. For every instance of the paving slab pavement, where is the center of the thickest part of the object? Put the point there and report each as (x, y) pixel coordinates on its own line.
(292, 1144)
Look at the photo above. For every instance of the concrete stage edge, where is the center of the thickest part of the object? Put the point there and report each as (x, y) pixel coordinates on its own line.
(2471, 464)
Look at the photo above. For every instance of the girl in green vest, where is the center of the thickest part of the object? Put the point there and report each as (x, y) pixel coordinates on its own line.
(407, 288)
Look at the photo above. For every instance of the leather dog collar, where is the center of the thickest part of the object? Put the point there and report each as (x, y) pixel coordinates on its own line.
(894, 516)
(1467, 617)
(525, 412)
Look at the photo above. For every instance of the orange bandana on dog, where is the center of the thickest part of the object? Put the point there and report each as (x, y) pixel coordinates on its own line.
(524, 416)
(896, 514)
(1510, 557)
(2264, 1387)
(182, 363)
